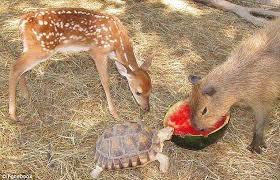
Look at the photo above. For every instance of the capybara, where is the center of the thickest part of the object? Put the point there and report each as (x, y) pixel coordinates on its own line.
(250, 76)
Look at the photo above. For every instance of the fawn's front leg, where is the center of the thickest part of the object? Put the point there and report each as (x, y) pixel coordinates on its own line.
(101, 63)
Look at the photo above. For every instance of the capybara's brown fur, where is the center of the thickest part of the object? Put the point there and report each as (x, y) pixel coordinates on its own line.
(251, 75)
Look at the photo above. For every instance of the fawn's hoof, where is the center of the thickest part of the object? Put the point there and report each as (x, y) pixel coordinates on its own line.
(114, 114)
(14, 119)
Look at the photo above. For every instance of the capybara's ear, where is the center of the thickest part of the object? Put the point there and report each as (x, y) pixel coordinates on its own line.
(210, 91)
(194, 79)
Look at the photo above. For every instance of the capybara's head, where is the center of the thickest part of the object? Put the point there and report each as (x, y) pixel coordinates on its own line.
(207, 104)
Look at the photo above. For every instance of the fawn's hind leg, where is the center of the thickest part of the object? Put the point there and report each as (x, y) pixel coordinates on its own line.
(23, 86)
(26, 62)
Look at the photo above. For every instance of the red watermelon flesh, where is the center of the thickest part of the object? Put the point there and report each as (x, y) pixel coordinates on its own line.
(180, 121)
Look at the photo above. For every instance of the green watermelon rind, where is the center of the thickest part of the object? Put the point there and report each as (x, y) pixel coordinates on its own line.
(198, 142)
(195, 142)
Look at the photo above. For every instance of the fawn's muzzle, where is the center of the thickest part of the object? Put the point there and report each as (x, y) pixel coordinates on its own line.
(147, 108)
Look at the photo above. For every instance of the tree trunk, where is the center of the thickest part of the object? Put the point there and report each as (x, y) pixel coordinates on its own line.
(257, 16)
(269, 2)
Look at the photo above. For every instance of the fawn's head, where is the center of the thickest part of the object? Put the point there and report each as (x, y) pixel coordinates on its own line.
(139, 83)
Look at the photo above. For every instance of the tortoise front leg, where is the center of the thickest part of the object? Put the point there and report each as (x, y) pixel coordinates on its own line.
(95, 173)
(163, 162)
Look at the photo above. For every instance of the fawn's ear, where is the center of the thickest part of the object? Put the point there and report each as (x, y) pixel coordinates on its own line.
(123, 70)
(194, 79)
(146, 64)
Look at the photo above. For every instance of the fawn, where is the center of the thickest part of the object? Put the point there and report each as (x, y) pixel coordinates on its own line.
(48, 31)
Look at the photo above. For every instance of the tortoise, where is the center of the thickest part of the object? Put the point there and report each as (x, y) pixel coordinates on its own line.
(129, 145)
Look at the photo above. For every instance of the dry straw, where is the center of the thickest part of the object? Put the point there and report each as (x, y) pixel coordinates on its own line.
(67, 110)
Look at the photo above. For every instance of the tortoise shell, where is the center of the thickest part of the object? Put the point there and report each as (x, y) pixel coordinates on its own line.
(126, 145)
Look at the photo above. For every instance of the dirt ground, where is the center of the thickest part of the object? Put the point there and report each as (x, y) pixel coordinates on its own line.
(67, 110)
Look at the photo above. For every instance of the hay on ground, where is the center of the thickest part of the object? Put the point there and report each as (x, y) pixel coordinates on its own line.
(68, 111)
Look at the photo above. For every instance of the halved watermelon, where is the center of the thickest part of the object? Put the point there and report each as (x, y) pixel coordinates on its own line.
(178, 117)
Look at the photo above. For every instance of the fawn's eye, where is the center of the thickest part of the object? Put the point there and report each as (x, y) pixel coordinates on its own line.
(138, 93)
(204, 111)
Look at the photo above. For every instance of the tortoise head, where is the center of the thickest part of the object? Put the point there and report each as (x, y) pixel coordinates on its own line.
(165, 134)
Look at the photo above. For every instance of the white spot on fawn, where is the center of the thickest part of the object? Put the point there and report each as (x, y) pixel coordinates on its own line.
(130, 67)
(41, 22)
(122, 43)
(74, 48)
(25, 47)
(125, 56)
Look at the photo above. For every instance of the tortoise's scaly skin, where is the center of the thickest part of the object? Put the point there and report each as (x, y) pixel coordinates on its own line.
(127, 145)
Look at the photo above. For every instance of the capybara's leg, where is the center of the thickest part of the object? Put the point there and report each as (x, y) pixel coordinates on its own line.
(258, 139)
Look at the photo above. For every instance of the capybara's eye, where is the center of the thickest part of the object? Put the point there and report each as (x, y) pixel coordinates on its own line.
(204, 111)
(138, 93)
